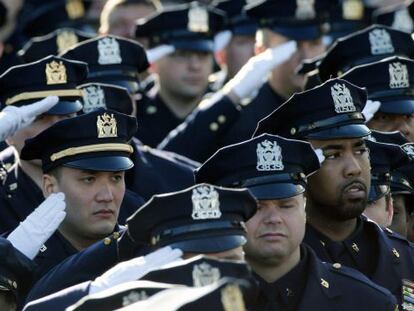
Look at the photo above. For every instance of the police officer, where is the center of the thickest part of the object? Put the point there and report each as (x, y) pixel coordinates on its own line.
(88, 167)
(20, 190)
(290, 275)
(294, 31)
(182, 77)
(338, 193)
(201, 219)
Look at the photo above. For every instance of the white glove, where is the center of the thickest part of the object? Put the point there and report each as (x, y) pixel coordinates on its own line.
(252, 75)
(134, 269)
(158, 52)
(319, 154)
(14, 118)
(221, 40)
(371, 107)
(38, 227)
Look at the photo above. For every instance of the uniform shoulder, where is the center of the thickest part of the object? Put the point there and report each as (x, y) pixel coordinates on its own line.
(350, 274)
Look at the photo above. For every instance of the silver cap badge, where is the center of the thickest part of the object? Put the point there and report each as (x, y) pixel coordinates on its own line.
(109, 52)
(305, 9)
(342, 98)
(380, 41)
(204, 274)
(197, 19)
(206, 204)
(93, 98)
(269, 156)
(409, 150)
(398, 75)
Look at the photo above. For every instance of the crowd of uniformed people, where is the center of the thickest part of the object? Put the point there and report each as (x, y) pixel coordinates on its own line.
(209, 155)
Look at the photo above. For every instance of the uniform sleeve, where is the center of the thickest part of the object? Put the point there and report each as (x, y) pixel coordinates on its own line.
(199, 136)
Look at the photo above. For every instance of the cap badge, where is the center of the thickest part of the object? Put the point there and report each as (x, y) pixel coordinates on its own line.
(204, 274)
(75, 9)
(403, 21)
(197, 19)
(232, 298)
(106, 125)
(56, 73)
(269, 156)
(66, 39)
(206, 203)
(93, 98)
(398, 75)
(409, 150)
(134, 296)
(109, 52)
(352, 10)
(342, 98)
(305, 9)
(380, 41)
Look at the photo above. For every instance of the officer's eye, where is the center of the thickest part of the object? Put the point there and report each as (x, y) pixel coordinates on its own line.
(88, 179)
(332, 155)
(361, 151)
(117, 178)
(287, 206)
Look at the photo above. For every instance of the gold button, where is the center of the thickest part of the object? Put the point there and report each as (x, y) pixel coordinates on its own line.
(15, 284)
(355, 247)
(322, 242)
(107, 241)
(214, 126)
(337, 265)
(396, 253)
(292, 131)
(151, 109)
(116, 235)
(221, 119)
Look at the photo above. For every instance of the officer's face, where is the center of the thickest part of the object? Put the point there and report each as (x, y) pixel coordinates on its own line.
(380, 211)
(339, 190)
(184, 74)
(400, 217)
(238, 52)
(92, 200)
(39, 125)
(283, 78)
(394, 122)
(7, 301)
(275, 232)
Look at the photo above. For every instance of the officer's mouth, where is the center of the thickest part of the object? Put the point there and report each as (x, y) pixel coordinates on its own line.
(355, 190)
(272, 236)
(104, 213)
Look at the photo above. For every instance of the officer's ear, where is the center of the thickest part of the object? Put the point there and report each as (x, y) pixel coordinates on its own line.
(50, 183)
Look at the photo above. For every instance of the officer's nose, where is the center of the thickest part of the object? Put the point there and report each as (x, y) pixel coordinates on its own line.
(352, 167)
(105, 193)
(272, 216)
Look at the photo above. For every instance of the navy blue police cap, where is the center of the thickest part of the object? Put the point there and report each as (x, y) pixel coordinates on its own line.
(395, 137)
(390, 81)
(25, 84)
(187, 27)
(237, 20)
(47, 16)
(96, 141)
(348, 16)
(396, 15)
(365, 46)
(270, 166)
(106, 96)
(53, 43)
(16, 270)
(384, 158)
(297, 20)
(120, 296)
(112, 60)
(332, 110)
(200, 219)
(402, 179)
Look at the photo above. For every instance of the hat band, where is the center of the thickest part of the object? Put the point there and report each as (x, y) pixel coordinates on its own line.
(279, 178)
(205, 226)
(334, 121)
(90, 148)
(389, 93)
(43, 94)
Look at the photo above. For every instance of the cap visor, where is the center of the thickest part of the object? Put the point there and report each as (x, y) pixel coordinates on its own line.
(194, 45)
(402, 106)
(276, 191)
(305, 32)
(210, 244)
(65, 107)
(105, 164)
(341, 132)
(376, 192)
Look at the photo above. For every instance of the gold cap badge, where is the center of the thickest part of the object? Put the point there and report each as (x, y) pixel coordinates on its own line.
(106, 125)
(56, 73)
(75, 9)
(66, 39)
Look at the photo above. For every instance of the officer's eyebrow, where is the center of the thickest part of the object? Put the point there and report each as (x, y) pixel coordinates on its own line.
(358, 143)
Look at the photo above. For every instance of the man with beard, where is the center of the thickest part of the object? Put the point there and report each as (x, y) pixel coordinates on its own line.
(329, 117)
(290, 275)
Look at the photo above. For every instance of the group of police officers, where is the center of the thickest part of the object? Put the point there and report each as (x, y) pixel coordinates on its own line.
(232, 155)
